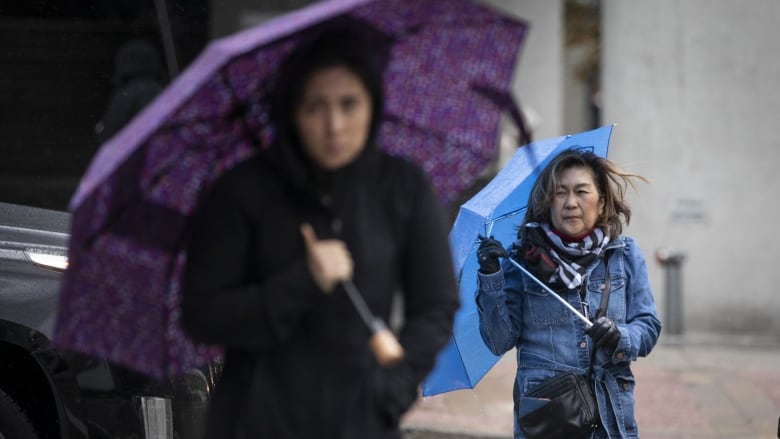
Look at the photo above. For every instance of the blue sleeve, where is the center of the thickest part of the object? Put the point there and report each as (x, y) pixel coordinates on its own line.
(500, 307)
(642, 328)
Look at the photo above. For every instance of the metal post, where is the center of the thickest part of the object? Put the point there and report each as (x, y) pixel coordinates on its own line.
(167, 38)
(673, 309)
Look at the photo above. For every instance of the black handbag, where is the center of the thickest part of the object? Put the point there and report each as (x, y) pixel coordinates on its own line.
(572, 410)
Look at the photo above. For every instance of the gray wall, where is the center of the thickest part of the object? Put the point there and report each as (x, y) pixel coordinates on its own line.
(694, 88)
(228, 16)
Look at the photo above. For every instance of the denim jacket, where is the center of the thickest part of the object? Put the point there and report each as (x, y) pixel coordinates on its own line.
(515, 312)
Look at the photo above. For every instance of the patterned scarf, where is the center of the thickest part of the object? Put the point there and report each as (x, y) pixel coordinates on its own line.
(561, 264)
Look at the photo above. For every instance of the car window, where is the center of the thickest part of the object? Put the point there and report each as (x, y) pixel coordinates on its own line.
(60, 71)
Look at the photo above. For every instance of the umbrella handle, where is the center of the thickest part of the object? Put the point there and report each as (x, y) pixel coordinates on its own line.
(385, 346)
(576, 312)
(387, 350)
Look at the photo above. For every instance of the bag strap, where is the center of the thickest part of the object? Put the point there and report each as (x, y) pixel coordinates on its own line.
(602, 311)
(607, 289)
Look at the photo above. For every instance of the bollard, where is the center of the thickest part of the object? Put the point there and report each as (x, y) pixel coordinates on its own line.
(672, 263)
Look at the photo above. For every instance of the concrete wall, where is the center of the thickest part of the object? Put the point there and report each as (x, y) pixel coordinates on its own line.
(694, 88)
(228, 16)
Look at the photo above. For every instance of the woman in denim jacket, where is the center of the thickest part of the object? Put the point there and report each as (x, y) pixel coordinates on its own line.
(576, 210)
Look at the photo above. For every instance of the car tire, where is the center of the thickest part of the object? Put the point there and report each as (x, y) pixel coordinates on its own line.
(13, 422)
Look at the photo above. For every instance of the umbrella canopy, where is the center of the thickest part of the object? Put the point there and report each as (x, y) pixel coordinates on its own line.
(445, 63)
(497, 210)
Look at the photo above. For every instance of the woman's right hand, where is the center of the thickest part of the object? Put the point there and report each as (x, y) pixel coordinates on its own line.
(490, 249)
(330, 263)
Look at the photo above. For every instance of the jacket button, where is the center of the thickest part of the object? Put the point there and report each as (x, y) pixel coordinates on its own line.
(625, 386)
(602, 286)
(583, 344)
(619, 355)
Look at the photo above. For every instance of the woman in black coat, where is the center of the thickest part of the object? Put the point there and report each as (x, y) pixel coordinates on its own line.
(279, 234)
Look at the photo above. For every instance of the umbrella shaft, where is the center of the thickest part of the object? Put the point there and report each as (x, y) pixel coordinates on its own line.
(576, 312)
(167, 38)
(359, 304)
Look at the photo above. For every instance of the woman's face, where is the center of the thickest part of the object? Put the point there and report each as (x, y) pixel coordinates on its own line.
(333, 117)
(577, 203)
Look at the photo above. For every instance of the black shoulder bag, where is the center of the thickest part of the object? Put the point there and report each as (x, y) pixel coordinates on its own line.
(572, 410)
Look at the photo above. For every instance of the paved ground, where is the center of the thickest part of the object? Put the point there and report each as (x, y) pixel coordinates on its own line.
(685, 389)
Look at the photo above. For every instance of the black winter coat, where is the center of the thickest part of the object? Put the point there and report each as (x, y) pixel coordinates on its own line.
(297, 362)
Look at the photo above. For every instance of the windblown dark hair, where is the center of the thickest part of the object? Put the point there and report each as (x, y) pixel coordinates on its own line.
(340, 43)
(611, 182)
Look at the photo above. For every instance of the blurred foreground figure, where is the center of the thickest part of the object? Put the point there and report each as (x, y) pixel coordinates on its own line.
(281, 233)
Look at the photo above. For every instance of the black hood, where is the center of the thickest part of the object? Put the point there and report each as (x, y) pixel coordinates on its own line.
(343, 42)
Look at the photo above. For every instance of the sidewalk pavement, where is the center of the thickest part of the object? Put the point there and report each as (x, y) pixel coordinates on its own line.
(685, 390)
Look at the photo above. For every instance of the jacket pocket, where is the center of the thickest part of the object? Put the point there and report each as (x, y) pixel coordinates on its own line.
(616, 309)
(532, 382)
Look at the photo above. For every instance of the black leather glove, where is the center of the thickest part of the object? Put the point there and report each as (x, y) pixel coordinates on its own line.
(604, 333)
(489, 251)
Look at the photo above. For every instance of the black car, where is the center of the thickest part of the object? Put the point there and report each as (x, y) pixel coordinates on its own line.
(47, 393)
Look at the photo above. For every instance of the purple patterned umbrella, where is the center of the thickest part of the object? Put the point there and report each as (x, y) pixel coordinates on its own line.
(447, 63)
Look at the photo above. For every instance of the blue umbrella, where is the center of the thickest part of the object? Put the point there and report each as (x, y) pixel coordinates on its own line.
(497, 210)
